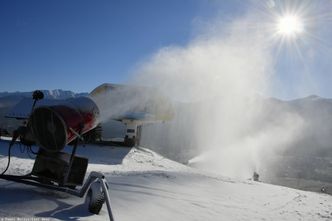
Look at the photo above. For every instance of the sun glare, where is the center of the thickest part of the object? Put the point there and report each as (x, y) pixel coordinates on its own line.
(290, 26)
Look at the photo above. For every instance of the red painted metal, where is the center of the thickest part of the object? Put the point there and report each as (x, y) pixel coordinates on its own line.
(57, 125)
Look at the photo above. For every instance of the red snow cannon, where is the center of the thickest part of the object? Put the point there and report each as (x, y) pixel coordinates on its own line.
(55, 126)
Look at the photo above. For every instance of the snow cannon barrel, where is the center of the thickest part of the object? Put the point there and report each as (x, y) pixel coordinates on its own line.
(55, 126)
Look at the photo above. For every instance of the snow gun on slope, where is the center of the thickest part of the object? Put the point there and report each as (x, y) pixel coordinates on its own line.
(51, 126)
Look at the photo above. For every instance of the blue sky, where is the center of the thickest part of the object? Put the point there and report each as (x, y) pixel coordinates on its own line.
(78, 44)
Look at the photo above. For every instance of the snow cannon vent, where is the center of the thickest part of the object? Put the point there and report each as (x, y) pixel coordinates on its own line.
(55, 126)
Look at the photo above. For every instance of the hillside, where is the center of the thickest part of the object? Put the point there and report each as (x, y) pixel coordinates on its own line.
(146, 186)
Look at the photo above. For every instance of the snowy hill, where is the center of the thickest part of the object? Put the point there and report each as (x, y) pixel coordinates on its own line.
(287, 142)
(146, 186)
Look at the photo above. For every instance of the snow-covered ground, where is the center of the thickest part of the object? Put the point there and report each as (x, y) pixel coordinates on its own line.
(146, 186)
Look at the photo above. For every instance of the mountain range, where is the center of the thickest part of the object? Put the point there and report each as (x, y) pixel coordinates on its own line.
(51, 94)
(9, 99)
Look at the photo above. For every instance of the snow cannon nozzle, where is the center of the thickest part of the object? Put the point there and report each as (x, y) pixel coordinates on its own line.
(55, 126)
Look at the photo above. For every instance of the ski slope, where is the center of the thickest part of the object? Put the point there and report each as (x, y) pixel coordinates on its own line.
(146, 186)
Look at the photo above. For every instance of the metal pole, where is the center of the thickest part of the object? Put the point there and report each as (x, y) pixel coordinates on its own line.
(108, 199)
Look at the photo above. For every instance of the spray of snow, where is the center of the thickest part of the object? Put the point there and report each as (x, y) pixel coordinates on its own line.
(217, 82)
(120, 100)
(219, 77)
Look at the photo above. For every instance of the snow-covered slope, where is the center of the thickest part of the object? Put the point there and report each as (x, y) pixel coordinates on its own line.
(146, 186)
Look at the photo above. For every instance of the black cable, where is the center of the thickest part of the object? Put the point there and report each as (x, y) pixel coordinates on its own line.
(30, 152)
(33, 152)
(9, 156)
(22, 147)
(11, 144)
(27, 148)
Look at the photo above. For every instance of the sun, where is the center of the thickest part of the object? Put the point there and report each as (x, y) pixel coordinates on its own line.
(289, 26)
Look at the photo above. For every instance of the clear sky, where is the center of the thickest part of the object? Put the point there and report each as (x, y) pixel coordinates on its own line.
(79, 44)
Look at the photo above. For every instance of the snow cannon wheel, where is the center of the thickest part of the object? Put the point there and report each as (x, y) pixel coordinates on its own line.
(95, 198)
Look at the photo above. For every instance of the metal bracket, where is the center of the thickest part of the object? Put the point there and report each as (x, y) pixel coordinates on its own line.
(93, 177)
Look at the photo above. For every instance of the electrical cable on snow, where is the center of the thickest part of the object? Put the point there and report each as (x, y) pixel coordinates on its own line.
(9, 156)
(22, 149)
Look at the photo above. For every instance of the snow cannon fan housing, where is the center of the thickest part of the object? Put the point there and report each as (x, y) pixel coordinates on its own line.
(55, 126)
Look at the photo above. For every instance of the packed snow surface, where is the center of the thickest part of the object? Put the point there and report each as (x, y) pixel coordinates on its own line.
(146, 186)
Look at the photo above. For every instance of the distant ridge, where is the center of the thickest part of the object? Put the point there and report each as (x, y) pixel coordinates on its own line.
(50, 94)
(9, 99)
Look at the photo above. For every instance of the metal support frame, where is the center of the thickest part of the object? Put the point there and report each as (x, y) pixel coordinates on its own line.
(41, 182)
(37, 181)
(72, 156)
(93, 177)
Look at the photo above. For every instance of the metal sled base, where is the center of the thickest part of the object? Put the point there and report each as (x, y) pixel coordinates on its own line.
(95, 185)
